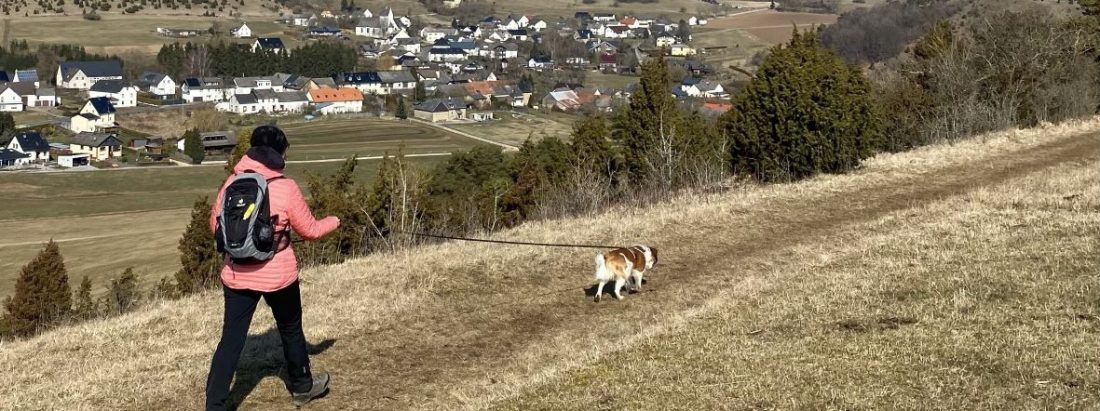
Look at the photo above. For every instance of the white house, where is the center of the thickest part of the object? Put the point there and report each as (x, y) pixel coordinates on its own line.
(431, 34)
(665, 39)
(681, 50)
(367, 82)
(272, 44)
(32, 144)
(397, 81)
(99, 146)
(538, 25)
(157, 83)
(336, 100)
(97, 114)
(242, 31)
(10, 100)
(703, 88)
(266, 101)
(540, 62)
(12, 158)
(83, 74)
(206, 89)
(119, 92)
(367, 13)
(245, 85)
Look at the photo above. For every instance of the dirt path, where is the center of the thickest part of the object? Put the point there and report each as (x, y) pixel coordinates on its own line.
(478, 328)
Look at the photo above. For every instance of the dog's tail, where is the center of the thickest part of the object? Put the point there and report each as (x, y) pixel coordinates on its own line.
(601, 266)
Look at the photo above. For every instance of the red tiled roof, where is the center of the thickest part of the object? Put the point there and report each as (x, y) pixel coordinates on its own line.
(328, 95)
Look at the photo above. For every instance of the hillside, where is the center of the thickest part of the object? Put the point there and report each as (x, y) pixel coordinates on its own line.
(956, 276)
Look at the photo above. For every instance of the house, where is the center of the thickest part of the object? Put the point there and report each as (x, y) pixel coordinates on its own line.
(436, 110)
(72, 160)
(601, 46)
(302, 20)
(583, 34)
(272, 44)
(27, 76)
(99, 146)
(177, 33)
(431, 34)
(336, 100)
(122, 94)
(564, 100)
(397, 81)
(681, 50)
(367, 82)
(618, 32)
(538, 25)
(511, 95)
(499, 51)
(32, 144)
(540, 62)
(147, 145)
(582, 16)
(10, 100)
(242, 31)
(156, 83)
(367, 13)
(406, 44)
(665, 39)
(265, 100)
(44, 97)
(450, 4)
(218, 142)
(702, 89)
(442, 52)
(97, 115)
(518, 34)
(604, 17)
(245, 85)
(82, 74)
(324, 31)
(609, 62)
(206, 89)
(12, 158)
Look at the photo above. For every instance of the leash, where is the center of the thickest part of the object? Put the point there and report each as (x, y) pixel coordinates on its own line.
(481, 240)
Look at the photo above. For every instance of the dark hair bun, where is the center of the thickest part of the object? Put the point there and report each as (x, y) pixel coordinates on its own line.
(270, 136)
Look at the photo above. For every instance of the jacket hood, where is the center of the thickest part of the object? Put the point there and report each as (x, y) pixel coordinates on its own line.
(263, 160)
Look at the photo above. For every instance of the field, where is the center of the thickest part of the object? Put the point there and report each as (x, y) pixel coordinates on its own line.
(951, 277)
(126, 33)
(744, 34)
(615, 81)
(341, 138)
(515, 128)
(106, 221)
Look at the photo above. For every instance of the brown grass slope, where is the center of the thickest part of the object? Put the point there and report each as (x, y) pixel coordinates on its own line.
(948, 276)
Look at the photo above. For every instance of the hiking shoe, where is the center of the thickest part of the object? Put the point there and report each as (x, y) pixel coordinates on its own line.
(320, 386)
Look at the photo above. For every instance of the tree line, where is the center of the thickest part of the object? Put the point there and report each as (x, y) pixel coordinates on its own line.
(316, 59)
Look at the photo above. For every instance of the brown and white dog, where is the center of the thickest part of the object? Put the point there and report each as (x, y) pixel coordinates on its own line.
(622, 264)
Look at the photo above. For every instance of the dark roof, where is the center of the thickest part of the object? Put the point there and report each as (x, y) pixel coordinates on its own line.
(582, 15)
(102, 105)
(10, 155)
(193, 82)
(396, 76)
(105, 68)
(97, 140)
(151, 78)
(24, 88)
(324, 30)
(542, 59)
(27, 75)
(270, 43)
(108, 86)
(518, 32)
(32, 141)
(245, 98)
(4, 77)
(361, 77)
(437, 105)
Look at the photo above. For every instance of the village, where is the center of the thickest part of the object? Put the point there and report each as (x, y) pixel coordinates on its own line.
(464, 72)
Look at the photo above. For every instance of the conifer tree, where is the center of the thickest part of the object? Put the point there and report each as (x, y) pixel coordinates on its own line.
(122, 295)
(198, 252)
(42, 297)
(337, 195)
(591, 145)
(244, 142)
(84, 308)
(804, 112)
(420, 93)
(192, 146)
(402, 112)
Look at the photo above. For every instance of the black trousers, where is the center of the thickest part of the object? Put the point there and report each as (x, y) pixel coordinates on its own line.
(286, 306)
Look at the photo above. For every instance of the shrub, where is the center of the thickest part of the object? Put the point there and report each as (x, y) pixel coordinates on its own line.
(42, 297)
(805, 112)
(199, 255)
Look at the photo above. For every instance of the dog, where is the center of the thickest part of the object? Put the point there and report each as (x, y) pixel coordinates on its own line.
(622, 264)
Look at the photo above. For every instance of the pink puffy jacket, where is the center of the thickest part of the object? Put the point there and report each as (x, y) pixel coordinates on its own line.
(290, 206)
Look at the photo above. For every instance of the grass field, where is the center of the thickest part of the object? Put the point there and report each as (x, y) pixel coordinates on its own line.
(515, 128)
(615, 81)
(951, 277)
(368, 137)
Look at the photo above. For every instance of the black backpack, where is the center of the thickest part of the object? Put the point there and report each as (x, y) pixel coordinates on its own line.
(245, 229)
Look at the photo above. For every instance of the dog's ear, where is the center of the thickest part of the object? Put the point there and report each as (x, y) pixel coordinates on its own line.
(654, 252)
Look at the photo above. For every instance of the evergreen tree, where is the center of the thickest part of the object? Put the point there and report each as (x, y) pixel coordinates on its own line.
(43, 297)
(804, 112)
(591, 146)
(192, 146)
(122, 296)
(683, 31)
(465, 192)
(402, 112)
(198, 253)
(420, 93)
(337, 195)
(85, 308)
(7, 124)
(244, 142)
(535, 169)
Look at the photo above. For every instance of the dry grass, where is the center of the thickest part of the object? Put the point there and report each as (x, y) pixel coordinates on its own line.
(826, 277)
(118, 34)
(515, 128)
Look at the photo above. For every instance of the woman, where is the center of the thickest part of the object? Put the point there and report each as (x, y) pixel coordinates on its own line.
(276, 280)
